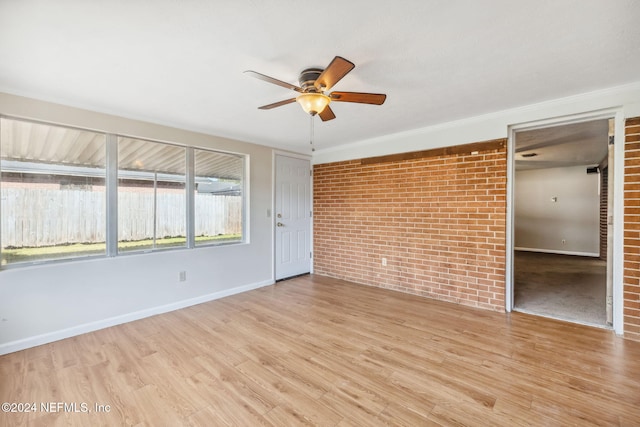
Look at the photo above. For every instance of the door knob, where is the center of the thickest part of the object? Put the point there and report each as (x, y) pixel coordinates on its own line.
(279, 224)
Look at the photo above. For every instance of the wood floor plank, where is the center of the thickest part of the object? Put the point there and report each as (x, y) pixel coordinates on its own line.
(320, 351)
(354, 408)
(207, 417)
(396, 414)
(294, 405)
(155, 409)
(224, 403)
(306, 381)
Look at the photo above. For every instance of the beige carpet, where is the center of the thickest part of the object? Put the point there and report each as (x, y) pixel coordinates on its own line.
(566, 287)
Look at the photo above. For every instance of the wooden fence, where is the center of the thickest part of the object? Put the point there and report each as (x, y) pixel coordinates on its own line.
(45, 217)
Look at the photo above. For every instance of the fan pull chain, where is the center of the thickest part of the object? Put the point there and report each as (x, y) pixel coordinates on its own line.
(311, 135)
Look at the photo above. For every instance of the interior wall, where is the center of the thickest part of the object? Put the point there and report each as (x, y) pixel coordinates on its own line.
(430, 225)
(557, 210)
(46, 302)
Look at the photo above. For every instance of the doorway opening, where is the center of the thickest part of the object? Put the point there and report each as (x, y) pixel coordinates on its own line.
(562, 203)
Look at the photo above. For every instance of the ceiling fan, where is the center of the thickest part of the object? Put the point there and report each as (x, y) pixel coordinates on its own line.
(314, 83)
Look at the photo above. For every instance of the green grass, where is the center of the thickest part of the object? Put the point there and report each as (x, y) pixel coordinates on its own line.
(29, 254)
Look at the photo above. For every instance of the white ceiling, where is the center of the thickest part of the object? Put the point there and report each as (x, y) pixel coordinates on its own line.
(181, 63)
(577, 144)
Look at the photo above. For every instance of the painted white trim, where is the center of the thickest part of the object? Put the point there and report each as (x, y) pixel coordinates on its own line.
(272, 214)
(21, 344)
(510, 232)
(618, 209)
(618, 224)
(587, 116)
(246, 200)
(552, 251)
(313, 214)
(291, 154)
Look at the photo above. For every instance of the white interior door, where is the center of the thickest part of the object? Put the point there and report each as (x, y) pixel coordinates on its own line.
(292, 219)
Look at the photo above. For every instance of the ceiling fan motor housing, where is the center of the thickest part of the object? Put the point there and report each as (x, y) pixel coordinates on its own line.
(308, 77)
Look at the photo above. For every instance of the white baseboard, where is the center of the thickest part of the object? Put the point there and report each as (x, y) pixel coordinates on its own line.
(21, 344)
(552, 251)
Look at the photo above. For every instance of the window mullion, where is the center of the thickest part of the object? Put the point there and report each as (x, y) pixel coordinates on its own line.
(190, 198)
(112, 195)
(155, 208)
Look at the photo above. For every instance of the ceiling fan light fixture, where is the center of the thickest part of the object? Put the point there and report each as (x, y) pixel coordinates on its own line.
(313, 103)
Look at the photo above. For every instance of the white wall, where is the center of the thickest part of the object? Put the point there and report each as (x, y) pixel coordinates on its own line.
(487, 127)
(569, 225)
(43, 303)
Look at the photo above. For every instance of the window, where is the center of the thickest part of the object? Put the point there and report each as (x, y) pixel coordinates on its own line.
(218, 197)
(58, 194)
(152, 204)
(52, 186)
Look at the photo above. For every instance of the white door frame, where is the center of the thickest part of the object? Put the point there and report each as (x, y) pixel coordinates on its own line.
(618, 202)
(272, 215)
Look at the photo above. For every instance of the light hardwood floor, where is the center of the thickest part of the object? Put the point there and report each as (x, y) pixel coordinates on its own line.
(319, 351)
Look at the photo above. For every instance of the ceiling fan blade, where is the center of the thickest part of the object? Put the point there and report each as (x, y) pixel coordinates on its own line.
(336, 70)
(272, 80)
(327, 114)
(277, 104)
(359, 97)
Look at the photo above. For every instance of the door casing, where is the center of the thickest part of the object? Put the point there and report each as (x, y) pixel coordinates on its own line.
(277, 269)
(615, 262)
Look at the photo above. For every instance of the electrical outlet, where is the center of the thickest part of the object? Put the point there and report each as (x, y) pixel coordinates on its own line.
(384, 261)
(183, 276)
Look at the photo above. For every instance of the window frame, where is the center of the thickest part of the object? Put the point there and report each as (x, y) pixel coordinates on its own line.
(191, 199)
(111, 198)
(155, 181)
(55, 167)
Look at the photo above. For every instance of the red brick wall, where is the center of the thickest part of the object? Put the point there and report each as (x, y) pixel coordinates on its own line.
(632, 230)
(439, 220)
